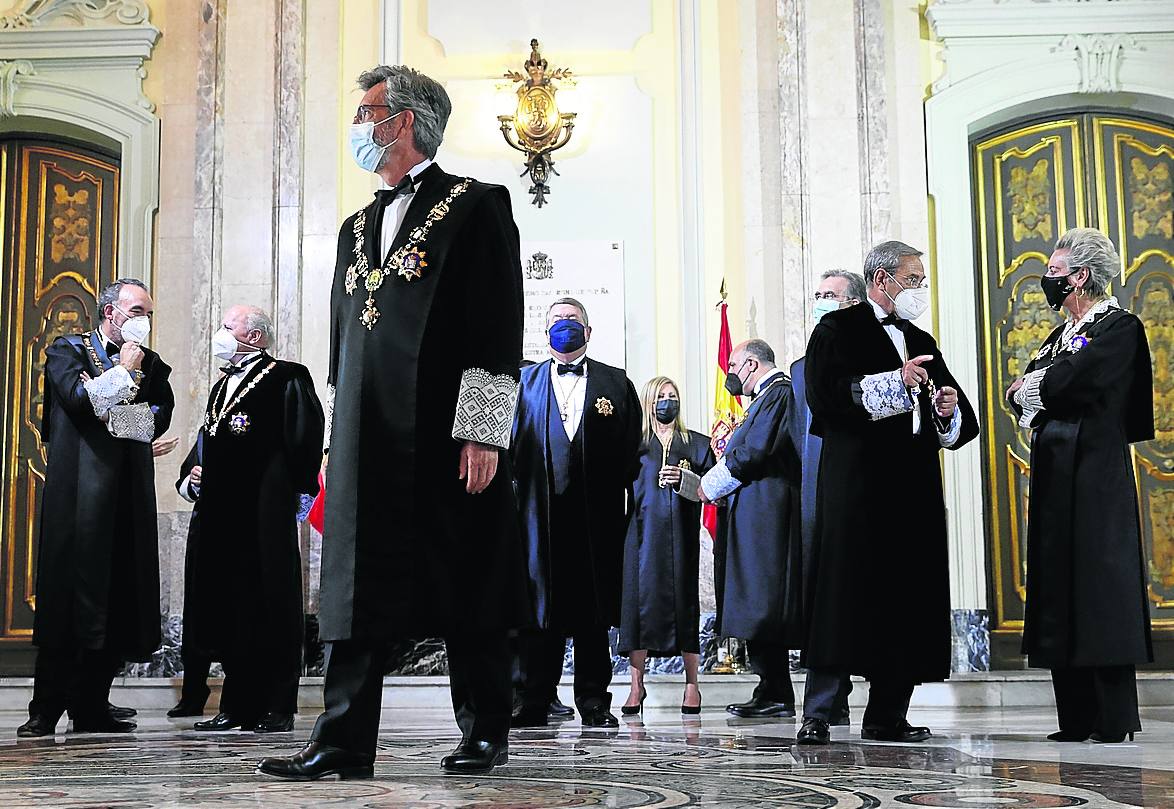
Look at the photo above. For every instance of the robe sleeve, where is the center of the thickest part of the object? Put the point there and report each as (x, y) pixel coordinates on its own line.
(183, 484)
(632, 433)
(160, 396)
(304, 426)
(336, 298)
(488, 394)
(835, 393)
(968, 421)
(63, 369)
(749, 459)
(1074, 381)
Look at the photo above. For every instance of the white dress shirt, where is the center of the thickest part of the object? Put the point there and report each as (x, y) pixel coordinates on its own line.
(570, 390)
(396, 210)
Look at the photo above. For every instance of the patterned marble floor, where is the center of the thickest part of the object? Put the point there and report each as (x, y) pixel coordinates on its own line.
(977, 759)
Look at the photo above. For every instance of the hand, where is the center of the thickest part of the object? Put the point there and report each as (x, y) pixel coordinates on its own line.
(702, 496)
(912, 374)
(478, 466)
(946, 401)
(85, 377)
(130, 356)
(163, 446)
(670, 476)
(197, 475)
(1016, 385)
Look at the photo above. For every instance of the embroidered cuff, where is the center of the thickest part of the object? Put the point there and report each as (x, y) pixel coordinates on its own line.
(718, 482)
(689, 483)
(485, 408)
(111, 388)
(950, 436)
(134, 422)
(1028, 397)
(329, 415)
(188, 490)
(883, 395)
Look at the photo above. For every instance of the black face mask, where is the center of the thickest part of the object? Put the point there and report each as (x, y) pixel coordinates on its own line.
(667, 410)
(734, 384)
(1056, 289)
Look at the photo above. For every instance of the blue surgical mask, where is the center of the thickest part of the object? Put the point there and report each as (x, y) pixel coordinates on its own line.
(822, 306)
(366, 152)
(567, 336)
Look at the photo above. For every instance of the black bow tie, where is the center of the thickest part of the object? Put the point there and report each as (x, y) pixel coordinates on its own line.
(404, 186)
(232, 370)
(893, 320)
(566, 368)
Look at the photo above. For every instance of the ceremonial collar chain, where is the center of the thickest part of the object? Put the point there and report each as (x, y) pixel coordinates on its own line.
(408, 258)
(135, 376)
(212, 422)
(1070, 338)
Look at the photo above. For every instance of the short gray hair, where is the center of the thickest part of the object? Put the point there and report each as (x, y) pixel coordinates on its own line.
(259, 320)
(407, 89)
(569, 302)
(760, 350)
(856, 288)
(110, 295)
(1092, 250)
(886, 256)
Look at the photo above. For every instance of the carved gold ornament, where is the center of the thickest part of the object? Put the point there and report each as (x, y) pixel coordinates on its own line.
(70, 217)
(604, 406)
(1030, 193)
(1151, 199)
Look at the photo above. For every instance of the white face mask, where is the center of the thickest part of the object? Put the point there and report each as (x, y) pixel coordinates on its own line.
(225, 346)
(911, 304)
(135, 329)
(366, 152)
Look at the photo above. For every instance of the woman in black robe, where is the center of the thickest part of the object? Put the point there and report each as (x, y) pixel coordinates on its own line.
(1086, 396)
(660, 611)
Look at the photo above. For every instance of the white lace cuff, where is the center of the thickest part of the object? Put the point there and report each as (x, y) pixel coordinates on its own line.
(1028, 398)
(329, 414)
(485, 408)
(950, 437)
(111, 388)
(884, 395)
(718, 482)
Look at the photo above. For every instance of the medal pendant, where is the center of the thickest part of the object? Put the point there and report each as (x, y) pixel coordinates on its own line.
(370, 315)
(239, 423)
(412, 265)
(374, 279)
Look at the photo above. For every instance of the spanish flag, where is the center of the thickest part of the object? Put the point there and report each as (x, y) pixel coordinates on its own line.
(727, 409)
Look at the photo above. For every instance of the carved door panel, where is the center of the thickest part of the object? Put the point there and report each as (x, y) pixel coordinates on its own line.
(58, 217)
(1033, 181)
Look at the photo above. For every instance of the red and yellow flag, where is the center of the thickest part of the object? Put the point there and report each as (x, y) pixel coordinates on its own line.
(727, 409)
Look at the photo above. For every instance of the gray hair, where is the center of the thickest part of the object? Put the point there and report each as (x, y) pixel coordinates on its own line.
(1091, 250)
(258, 320)
(110, 295)
(856, 288)
(760, 350)
(569, 302)
(886, 256)
(407, 89)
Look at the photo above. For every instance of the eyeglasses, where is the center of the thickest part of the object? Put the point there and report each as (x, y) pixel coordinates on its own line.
(366, 112)
(916, 282)
(831, 296)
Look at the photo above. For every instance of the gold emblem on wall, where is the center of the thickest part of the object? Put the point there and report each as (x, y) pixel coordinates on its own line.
(1151, 199)
(1030, 192)
(1161, 514)
(68, 314)
(1157, 313)
(70, 219)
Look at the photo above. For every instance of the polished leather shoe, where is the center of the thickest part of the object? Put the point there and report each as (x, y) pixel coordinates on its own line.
(758, 708)
(118, 712)
(475, 757)
(188, 707)
(559, 711)
(222, 721)
(274, 723)
(103, 723)
(529, 718)
(814, 731)
(319, 761)
(903, 732)
(38, 725)
(599, 718)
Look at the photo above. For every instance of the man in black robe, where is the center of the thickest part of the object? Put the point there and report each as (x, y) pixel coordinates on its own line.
(421, 531)
(194, 693)
(576, 454)
(759, 473)
(261, 446)
(106, 397)
(885, 404)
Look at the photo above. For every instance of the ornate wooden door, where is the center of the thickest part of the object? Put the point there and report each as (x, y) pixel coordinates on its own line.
(1034, 180)
(58, 217)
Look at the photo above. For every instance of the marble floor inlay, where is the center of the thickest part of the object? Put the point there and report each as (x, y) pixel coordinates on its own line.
(977, 759)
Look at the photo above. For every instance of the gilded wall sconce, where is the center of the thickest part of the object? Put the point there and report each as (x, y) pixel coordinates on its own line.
(537, 128)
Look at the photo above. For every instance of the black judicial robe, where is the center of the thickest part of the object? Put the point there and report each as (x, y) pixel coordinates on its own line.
(406, 551)
(661, 611)
(762, 589)
(1086, 581)
(881, 598)
(191, 548)
(610, 461)
(98, 557)
(244, 594)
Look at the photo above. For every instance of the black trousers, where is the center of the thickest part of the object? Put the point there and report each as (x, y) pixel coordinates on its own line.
(772, 663)
(888, 698)
(540, 664)
(255, 686)
(77, 680)
(479, 679)
(195, 678)
(826, 697)
(1101, 699)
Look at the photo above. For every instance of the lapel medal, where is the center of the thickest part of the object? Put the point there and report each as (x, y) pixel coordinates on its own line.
(239, 423)
(412, 265)
(604, 406)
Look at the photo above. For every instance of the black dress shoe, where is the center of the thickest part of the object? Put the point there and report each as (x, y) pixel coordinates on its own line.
(319, 761)
(274, 723)
(221, 721)
(814, 731)
(758, 708)
(599, 718)
(903, 732)
(529, 718)
(38, 725)
(1067, 736)
(186, 707)
(559, 711)
(102, 723)
(475, 757)
(119, 712)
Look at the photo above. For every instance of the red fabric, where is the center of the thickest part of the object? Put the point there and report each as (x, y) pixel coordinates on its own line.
(727, 410)
(317, 515)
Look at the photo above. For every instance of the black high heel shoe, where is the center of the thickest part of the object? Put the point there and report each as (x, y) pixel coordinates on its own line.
(632, 710)
(692, 710)
(1106, 738)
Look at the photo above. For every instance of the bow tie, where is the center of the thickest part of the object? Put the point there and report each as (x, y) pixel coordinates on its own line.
(233, 370)
(405, 186)
(893, 320)
(566, 368)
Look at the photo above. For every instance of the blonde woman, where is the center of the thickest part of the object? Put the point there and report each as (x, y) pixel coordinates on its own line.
(660, 612)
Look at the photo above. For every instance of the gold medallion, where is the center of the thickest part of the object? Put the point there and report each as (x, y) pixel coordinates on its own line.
(604, 406)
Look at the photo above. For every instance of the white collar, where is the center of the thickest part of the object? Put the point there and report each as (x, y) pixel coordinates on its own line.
(771, 374)
(1098, 307)
(414, 172)
(252, 356)
(880, 313)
